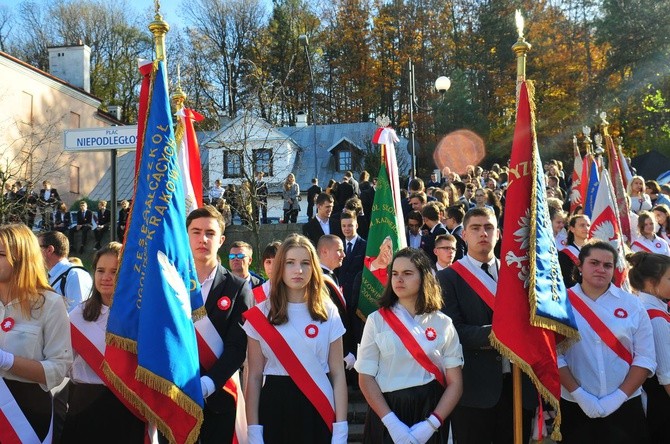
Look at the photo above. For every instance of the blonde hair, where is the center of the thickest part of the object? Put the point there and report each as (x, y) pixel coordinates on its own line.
(29, 278)
(316, 292)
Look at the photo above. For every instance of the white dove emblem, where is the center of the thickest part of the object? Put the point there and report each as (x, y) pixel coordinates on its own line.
(175, 281)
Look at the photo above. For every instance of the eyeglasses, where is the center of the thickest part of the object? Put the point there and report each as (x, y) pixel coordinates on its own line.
(445, 248)
(236, 256)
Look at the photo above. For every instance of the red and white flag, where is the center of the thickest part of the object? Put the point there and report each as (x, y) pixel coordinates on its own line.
(619, 189)
(189, 157)
(576, 196)
(605, 226)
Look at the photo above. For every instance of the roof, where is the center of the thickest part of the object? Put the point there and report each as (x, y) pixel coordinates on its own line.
(327, 137)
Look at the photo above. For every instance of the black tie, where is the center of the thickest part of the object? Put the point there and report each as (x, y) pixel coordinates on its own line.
(485, 267)
(349, 247)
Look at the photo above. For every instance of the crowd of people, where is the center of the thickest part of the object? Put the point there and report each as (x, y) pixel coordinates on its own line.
(294, 340)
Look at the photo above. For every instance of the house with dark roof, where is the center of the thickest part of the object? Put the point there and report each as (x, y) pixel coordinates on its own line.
(248, 144)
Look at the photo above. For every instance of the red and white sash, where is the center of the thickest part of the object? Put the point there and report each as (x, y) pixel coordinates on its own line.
(338, 291)
(657, 245)
(262, 292)
(306, 372)
(599, 327)
(658, 313)
(210, 348)
(641, 246)
(14, 426)
(480, 282)
(413, 338)
(572, 252)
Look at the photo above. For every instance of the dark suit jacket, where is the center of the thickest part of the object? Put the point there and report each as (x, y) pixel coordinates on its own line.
(63, 218)
(347, 344)
(472, 318)
(428, 240)
(344, 191)
(351, 265)
(461, 246)
(86, 218)
(53, 198)
(227, 324)
(103, 217)
(312, 229)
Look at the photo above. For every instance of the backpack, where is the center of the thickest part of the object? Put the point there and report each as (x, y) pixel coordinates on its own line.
(62, 278)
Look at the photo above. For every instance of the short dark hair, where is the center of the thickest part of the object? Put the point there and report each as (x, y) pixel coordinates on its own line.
(323, 198)
(415, 215)
(456, 212)
(206, 211)
(346, 214)
(445, 237)
(270, 250)
(431, 212)
(419, 195)
(476, 212)
(416, 184)
(57, 240)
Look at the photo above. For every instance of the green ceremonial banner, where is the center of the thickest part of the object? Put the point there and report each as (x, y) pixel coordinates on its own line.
(383, 224)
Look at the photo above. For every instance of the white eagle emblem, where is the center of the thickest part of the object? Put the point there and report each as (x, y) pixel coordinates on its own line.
(522, 237)
(171, 276)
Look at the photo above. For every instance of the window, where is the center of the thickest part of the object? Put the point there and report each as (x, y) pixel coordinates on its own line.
(74, 179)
(75, 120)
(263, 161)
(344, 160)
(27, 108)
(27, 167)
(232, 164)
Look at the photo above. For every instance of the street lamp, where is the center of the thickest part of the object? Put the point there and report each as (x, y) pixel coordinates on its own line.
(442, 84)
(304, 42)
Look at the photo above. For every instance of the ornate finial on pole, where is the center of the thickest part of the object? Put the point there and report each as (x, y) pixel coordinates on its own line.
(159, 28)
(179, 97)
(604, 124)
(587, 139)
(520, 48)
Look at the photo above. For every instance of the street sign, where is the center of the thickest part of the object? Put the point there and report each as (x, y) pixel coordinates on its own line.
(100, 139)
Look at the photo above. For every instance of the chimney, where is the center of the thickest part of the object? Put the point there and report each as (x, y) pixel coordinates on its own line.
(115, 110)
(72, 64)
(301, 119)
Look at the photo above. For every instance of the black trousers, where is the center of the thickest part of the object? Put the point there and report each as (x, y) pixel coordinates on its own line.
(658, 411)
(35, 404)
(627, 425)
(472, 425)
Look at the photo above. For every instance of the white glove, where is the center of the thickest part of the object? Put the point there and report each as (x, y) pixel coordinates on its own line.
(207, 386)
(612, 402)
(588, 403)
(398, 430)
(6, 360)
(255, 434)
(340, 432)
(349, 361)
(422, 431)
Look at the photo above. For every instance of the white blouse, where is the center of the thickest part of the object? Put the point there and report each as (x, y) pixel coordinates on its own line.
(661, 328)
(45, 337)
(81, 372)
(383, 355)
(299, 319)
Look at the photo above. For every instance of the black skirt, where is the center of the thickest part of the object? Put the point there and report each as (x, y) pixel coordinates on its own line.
(658, 411)
(287, 416)
(35, 404)
(95, 414)
(411, 405)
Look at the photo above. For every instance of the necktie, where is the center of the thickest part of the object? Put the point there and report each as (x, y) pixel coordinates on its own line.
(349, 248)
(485, 267)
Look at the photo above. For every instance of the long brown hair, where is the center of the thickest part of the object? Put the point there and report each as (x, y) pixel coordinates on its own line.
(29, 278)
(93, 305)
(315, 291)
(430, 295)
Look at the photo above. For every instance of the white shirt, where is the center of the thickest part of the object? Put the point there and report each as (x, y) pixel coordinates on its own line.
(656, 245)
(325, 225)
(382, 354)
(81, 372)
(640, 203)
(45, 337)
(493, 265)
(561, 240)
(299, 318)
(78, 283)
(661, 329)
(414, 241)
(597, 369)
(206, 285)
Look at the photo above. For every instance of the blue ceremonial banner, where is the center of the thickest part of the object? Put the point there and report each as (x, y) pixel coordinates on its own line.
(151, 354)
(592, 188)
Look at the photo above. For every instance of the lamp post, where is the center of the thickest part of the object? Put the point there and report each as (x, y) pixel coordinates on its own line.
(442, 84)
(304, 42)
